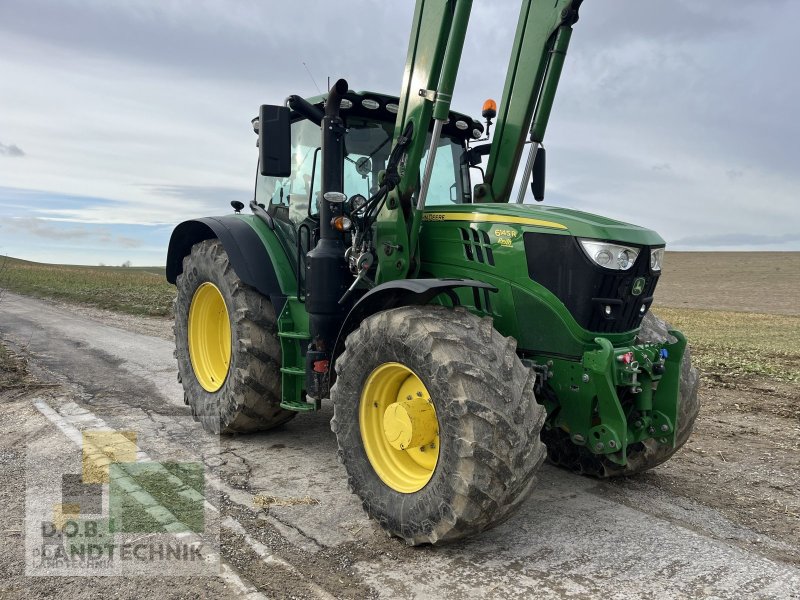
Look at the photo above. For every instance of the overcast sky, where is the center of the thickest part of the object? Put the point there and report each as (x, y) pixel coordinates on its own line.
(120, 119)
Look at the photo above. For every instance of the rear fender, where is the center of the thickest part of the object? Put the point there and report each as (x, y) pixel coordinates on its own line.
(254, 251)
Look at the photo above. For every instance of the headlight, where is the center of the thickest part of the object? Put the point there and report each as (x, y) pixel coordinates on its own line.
(656, 259)
(610, 256)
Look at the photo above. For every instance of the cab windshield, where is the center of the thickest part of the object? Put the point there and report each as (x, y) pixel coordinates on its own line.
(367, 147)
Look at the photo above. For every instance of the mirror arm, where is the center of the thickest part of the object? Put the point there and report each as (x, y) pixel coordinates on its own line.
(262, 214)
(305, 109)
(474, 155)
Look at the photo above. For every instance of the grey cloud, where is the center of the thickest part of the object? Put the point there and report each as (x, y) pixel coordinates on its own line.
(710, 74)
(736, 239)
(221, 40)
(128, 242)
(207, 195)
(119, 240)
(45, 229)
(11, 150)
(611, 20)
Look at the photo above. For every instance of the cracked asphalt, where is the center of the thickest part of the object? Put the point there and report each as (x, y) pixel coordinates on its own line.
(575, 537)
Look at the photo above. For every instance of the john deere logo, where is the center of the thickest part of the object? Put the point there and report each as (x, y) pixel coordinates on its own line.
(638, 286)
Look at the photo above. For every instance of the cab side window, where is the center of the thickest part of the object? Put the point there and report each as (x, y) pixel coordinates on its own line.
(446, 186)
(289, 195)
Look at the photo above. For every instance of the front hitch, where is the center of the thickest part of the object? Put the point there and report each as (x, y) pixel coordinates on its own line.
(615, 397)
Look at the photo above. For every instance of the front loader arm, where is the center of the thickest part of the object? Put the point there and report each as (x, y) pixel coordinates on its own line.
(540, 43)
(434, 53)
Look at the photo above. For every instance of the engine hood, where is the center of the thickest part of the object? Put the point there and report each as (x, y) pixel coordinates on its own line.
(563, 221)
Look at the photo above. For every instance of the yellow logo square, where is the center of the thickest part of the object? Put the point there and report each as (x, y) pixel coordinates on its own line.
(63, 513)
(101, 448)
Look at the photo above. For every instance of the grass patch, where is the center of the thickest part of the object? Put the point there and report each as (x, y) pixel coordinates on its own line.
(740, 343)
(177, 488)
(138, 291)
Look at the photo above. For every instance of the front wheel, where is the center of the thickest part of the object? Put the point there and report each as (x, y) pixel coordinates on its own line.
(436, 422)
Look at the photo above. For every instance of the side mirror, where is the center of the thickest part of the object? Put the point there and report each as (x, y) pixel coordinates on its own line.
(537, 178)
(274, 141)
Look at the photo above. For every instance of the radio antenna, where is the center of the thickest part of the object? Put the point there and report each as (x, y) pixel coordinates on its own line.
(312, 77)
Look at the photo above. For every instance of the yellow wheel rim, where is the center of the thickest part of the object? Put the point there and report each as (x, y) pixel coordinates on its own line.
(209, 337)
(399, 427)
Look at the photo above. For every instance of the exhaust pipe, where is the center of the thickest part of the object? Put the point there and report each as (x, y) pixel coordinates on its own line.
(327, 275)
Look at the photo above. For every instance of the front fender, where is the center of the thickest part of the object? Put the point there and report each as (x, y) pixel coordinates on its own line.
(401, 292)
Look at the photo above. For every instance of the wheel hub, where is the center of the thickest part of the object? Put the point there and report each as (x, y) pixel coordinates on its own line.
(408, 423)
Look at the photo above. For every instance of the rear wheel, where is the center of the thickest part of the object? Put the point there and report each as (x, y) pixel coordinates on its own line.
(226, 345)
(645, 455)
(436, 422)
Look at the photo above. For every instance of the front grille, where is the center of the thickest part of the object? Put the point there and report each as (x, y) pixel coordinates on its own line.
(558, 263)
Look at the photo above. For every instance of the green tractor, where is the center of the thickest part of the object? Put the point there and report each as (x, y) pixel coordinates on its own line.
(461, 337)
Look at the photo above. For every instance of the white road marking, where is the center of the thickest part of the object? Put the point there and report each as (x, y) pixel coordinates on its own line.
(270, 559)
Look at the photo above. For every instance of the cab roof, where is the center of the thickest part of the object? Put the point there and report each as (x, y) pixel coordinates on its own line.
(383, 107)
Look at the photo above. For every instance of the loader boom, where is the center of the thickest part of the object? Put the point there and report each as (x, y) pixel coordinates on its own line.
(434, 53)
(540, 45)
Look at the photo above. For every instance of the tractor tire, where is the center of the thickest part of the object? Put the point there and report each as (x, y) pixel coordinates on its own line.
(485, 416)
(229, 356)
(645, 455)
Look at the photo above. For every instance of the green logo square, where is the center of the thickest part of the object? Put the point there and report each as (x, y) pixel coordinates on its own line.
(152, 497)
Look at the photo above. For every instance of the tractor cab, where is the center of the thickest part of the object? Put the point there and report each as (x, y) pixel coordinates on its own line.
(369, 119)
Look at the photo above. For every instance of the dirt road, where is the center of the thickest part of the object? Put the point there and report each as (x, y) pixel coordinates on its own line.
(575, 537)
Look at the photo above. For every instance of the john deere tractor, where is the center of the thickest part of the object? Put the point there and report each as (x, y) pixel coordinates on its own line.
(387, 266)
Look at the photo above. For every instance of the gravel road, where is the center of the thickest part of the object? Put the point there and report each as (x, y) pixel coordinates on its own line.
(575, 537)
